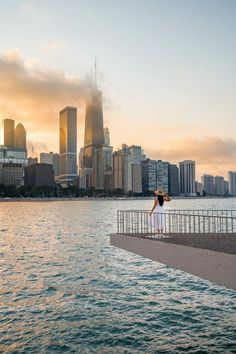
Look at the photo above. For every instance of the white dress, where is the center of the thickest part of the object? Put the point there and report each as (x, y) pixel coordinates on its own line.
(158, 217)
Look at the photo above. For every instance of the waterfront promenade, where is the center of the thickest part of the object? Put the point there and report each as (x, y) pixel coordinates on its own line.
(200, 242)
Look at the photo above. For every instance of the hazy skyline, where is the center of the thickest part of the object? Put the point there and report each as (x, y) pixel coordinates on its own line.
(167, 70)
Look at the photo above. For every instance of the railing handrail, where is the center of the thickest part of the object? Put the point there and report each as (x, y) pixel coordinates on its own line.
(183, 209)
(183, 214)
(140, 222)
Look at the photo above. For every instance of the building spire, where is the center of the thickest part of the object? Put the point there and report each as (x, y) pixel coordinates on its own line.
(95, 72)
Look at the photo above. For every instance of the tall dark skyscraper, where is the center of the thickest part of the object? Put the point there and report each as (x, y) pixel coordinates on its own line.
(173, 179)
(94, 133)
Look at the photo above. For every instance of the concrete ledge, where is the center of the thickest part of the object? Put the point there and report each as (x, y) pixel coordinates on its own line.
(217, 267)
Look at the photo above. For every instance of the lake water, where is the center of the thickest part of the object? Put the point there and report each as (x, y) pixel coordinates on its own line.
(64, 289)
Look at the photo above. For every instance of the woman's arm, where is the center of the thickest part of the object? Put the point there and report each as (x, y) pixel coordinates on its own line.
(167, 198)
(154, 206)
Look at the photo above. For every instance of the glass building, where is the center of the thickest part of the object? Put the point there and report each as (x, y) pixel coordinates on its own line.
(94, 133)
(68, 146)
(149, 175)
(173, 179)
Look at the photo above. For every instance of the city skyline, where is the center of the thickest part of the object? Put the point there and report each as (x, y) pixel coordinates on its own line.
(127, 170)
(168, 85)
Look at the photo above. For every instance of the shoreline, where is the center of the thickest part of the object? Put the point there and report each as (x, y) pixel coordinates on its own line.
(53, 199)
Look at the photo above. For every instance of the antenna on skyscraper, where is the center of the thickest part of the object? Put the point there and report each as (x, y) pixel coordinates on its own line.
(95, 72)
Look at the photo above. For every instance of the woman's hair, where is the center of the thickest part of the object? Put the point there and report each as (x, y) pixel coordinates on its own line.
(160, 199)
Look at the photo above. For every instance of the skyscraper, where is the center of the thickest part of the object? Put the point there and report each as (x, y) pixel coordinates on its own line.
(94, 133)
(208, 184)
(9, 132)
(187, 177)
(68, 146)
(163, 175)
(20, 136)
(136, 156)
(106, 136)
(173, 179)
(219, 186)
(12, 163)
(232, 183)
(136, 178)
(103, 164)
(51, 159)
(122, 169)
(149, 175)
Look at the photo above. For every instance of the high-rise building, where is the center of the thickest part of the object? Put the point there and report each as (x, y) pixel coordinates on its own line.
(20, 136)
(149, 175)
(127, 169)
(94, 133)
(173, 179)
(85, 178)
(122, 169)
(199, 188)
(68, 146)
(103, 164)
(219, 186)
(187, 177)
(106, 136)
(117, 170)
(11, 173)
(12, 163)
(208, 184)
(40, 174)
(162, 175)
(226, 188)
(136, 178)
(136, 154)
(51, 158)
(9, 133)
(81, 158)
(232, 183)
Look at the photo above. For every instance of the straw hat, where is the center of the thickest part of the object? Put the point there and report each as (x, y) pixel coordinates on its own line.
(160, 192)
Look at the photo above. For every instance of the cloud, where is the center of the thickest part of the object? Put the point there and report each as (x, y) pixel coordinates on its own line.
(34, 95)
(52, 46)
(212, 154)
(27, 8)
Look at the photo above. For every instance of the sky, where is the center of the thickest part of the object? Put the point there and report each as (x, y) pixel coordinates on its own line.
(167, 70)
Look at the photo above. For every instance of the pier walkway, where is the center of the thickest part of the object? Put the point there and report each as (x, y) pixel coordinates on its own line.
(199, 242)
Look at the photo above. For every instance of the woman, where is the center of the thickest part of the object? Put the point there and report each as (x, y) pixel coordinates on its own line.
(158, 218)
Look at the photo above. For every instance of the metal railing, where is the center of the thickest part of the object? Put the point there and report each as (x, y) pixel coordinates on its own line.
(140, 223)
(207, 212)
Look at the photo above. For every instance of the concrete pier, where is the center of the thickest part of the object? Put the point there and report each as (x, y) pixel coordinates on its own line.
(209, 256)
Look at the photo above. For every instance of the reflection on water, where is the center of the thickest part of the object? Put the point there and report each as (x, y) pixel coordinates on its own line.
(64, 289)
